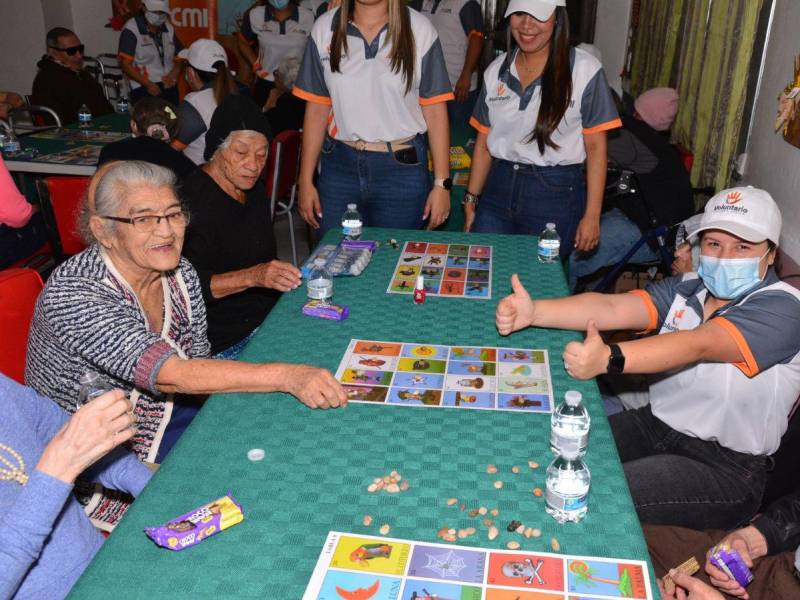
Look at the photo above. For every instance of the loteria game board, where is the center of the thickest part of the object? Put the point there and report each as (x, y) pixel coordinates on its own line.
(476, 377)
(459, 270)
(86, 155)
(367, 567)
(81, 135)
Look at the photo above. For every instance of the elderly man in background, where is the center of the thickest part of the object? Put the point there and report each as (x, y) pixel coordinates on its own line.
(62, 83)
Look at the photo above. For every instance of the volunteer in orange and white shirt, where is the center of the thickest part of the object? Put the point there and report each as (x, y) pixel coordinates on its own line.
(376, 82)
(543, 110)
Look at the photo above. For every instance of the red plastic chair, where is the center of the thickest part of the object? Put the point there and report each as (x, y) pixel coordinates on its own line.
(19, 289)
(65, 198)
(281, 174)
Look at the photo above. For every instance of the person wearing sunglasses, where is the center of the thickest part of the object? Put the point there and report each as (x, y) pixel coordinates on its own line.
(62, 83)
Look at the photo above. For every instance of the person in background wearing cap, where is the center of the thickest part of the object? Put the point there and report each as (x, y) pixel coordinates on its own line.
(281, 29)
(459, 24)
(641, 147)
(375, 82)
(230, 241)
(725, 366)
(210, 80)
(154, 124)
(62, 83)
(147, 50)
(543, 110)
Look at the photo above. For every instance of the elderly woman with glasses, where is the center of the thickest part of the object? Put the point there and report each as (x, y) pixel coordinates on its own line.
(130, 309)
(230, 241)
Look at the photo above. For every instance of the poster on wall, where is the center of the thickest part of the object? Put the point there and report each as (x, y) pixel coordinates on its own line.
(788, 120)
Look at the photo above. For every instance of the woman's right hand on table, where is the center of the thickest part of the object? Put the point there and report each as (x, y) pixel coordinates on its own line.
(92, 432)
(315, 387)
(309, 205)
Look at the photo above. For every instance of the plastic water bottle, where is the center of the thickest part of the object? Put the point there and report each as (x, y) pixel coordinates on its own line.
(84, 116)
(122, 105)
(567, 490)
(320, 283)
(11, 145)
(569, 426)
(351, 223)
(92, 386)
(549, 244)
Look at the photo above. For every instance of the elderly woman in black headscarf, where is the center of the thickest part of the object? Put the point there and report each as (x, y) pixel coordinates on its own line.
(230, 240)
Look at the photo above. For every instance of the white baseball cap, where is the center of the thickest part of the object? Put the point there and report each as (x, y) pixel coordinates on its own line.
(746, 212)
(540, 10)
(156, 5)
(203, 53)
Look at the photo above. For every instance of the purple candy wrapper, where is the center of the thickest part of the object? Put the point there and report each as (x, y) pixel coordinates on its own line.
(370, 245)
(197, 525)
(730, 562)
(333, 312)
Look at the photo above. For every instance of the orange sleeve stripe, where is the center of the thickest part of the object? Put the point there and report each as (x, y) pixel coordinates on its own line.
(603, 127)
(437, 99)
(123, 56)
(749, 367)
(178, 145)
(652, 312)
(475, 33)
(308, 96)
(479, 126)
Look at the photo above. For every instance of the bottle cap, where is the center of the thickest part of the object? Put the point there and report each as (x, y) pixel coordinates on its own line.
(420, 285)
(550, 226)
(573, 398)
(351, 206)
(256, 454)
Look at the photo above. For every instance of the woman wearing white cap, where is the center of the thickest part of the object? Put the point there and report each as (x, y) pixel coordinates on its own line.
(147, 50)
(544, 109)
(725, 366)
(208, 75)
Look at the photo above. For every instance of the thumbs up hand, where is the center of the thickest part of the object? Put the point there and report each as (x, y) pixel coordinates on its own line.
(515, 311)
(584, 360)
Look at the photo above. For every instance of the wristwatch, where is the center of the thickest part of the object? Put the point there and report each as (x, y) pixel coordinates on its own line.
(470, 198)
(616, 360)
(444, 183)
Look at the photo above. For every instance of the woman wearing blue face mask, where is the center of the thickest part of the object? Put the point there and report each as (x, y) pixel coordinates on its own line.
(724, 367)
(147, 50)
(281, 29)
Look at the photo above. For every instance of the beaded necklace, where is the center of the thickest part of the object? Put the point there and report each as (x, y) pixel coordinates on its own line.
(10, 471)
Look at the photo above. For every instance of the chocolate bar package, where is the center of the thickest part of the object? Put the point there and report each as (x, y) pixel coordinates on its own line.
(730, 562)
(197, 525)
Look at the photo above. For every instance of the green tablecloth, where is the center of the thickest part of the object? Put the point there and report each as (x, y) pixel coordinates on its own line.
(319, 463)
(113, 122)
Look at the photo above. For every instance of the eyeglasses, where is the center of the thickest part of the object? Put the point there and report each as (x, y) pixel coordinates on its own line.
(147, 223)
(72, 50)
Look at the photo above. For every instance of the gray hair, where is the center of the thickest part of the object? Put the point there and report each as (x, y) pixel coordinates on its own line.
(111, 184)
(226, 143)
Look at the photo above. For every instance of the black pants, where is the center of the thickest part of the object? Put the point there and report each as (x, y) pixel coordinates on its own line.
(676, 479)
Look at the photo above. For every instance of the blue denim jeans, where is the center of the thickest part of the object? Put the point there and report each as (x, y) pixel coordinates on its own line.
(522, 199)
(388, 193)
(676, 479)
(617, 235)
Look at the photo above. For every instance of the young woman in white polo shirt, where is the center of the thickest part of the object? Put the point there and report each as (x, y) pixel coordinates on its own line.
(281, 28)
(210, 80)
(544, 109)
(375, 82)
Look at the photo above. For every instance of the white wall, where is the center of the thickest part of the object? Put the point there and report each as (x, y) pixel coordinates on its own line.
(610, 37)
(773, 163)
(89, 18)
(21, 43)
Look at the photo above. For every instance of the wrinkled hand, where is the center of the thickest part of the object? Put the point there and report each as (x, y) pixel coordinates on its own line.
(153, 89)
(469, 216)
(437, 207)
(92, 432)
(309, 205)
(314, 387)
(277, 275)
(683, 259)
(515, 311)
(584, 360)
(461, 89)
(587, 235)
(687, 588)
(743, 541)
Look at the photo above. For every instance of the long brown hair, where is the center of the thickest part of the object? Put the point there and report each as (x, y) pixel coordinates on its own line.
(556, 83)
(224, 83)
(400, 37)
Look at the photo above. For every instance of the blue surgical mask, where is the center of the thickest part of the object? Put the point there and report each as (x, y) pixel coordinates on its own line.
(156, 19)
(729, 278)
(278, 4)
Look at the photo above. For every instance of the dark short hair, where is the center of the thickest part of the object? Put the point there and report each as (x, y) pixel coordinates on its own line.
(55, 34)
(152, 110)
